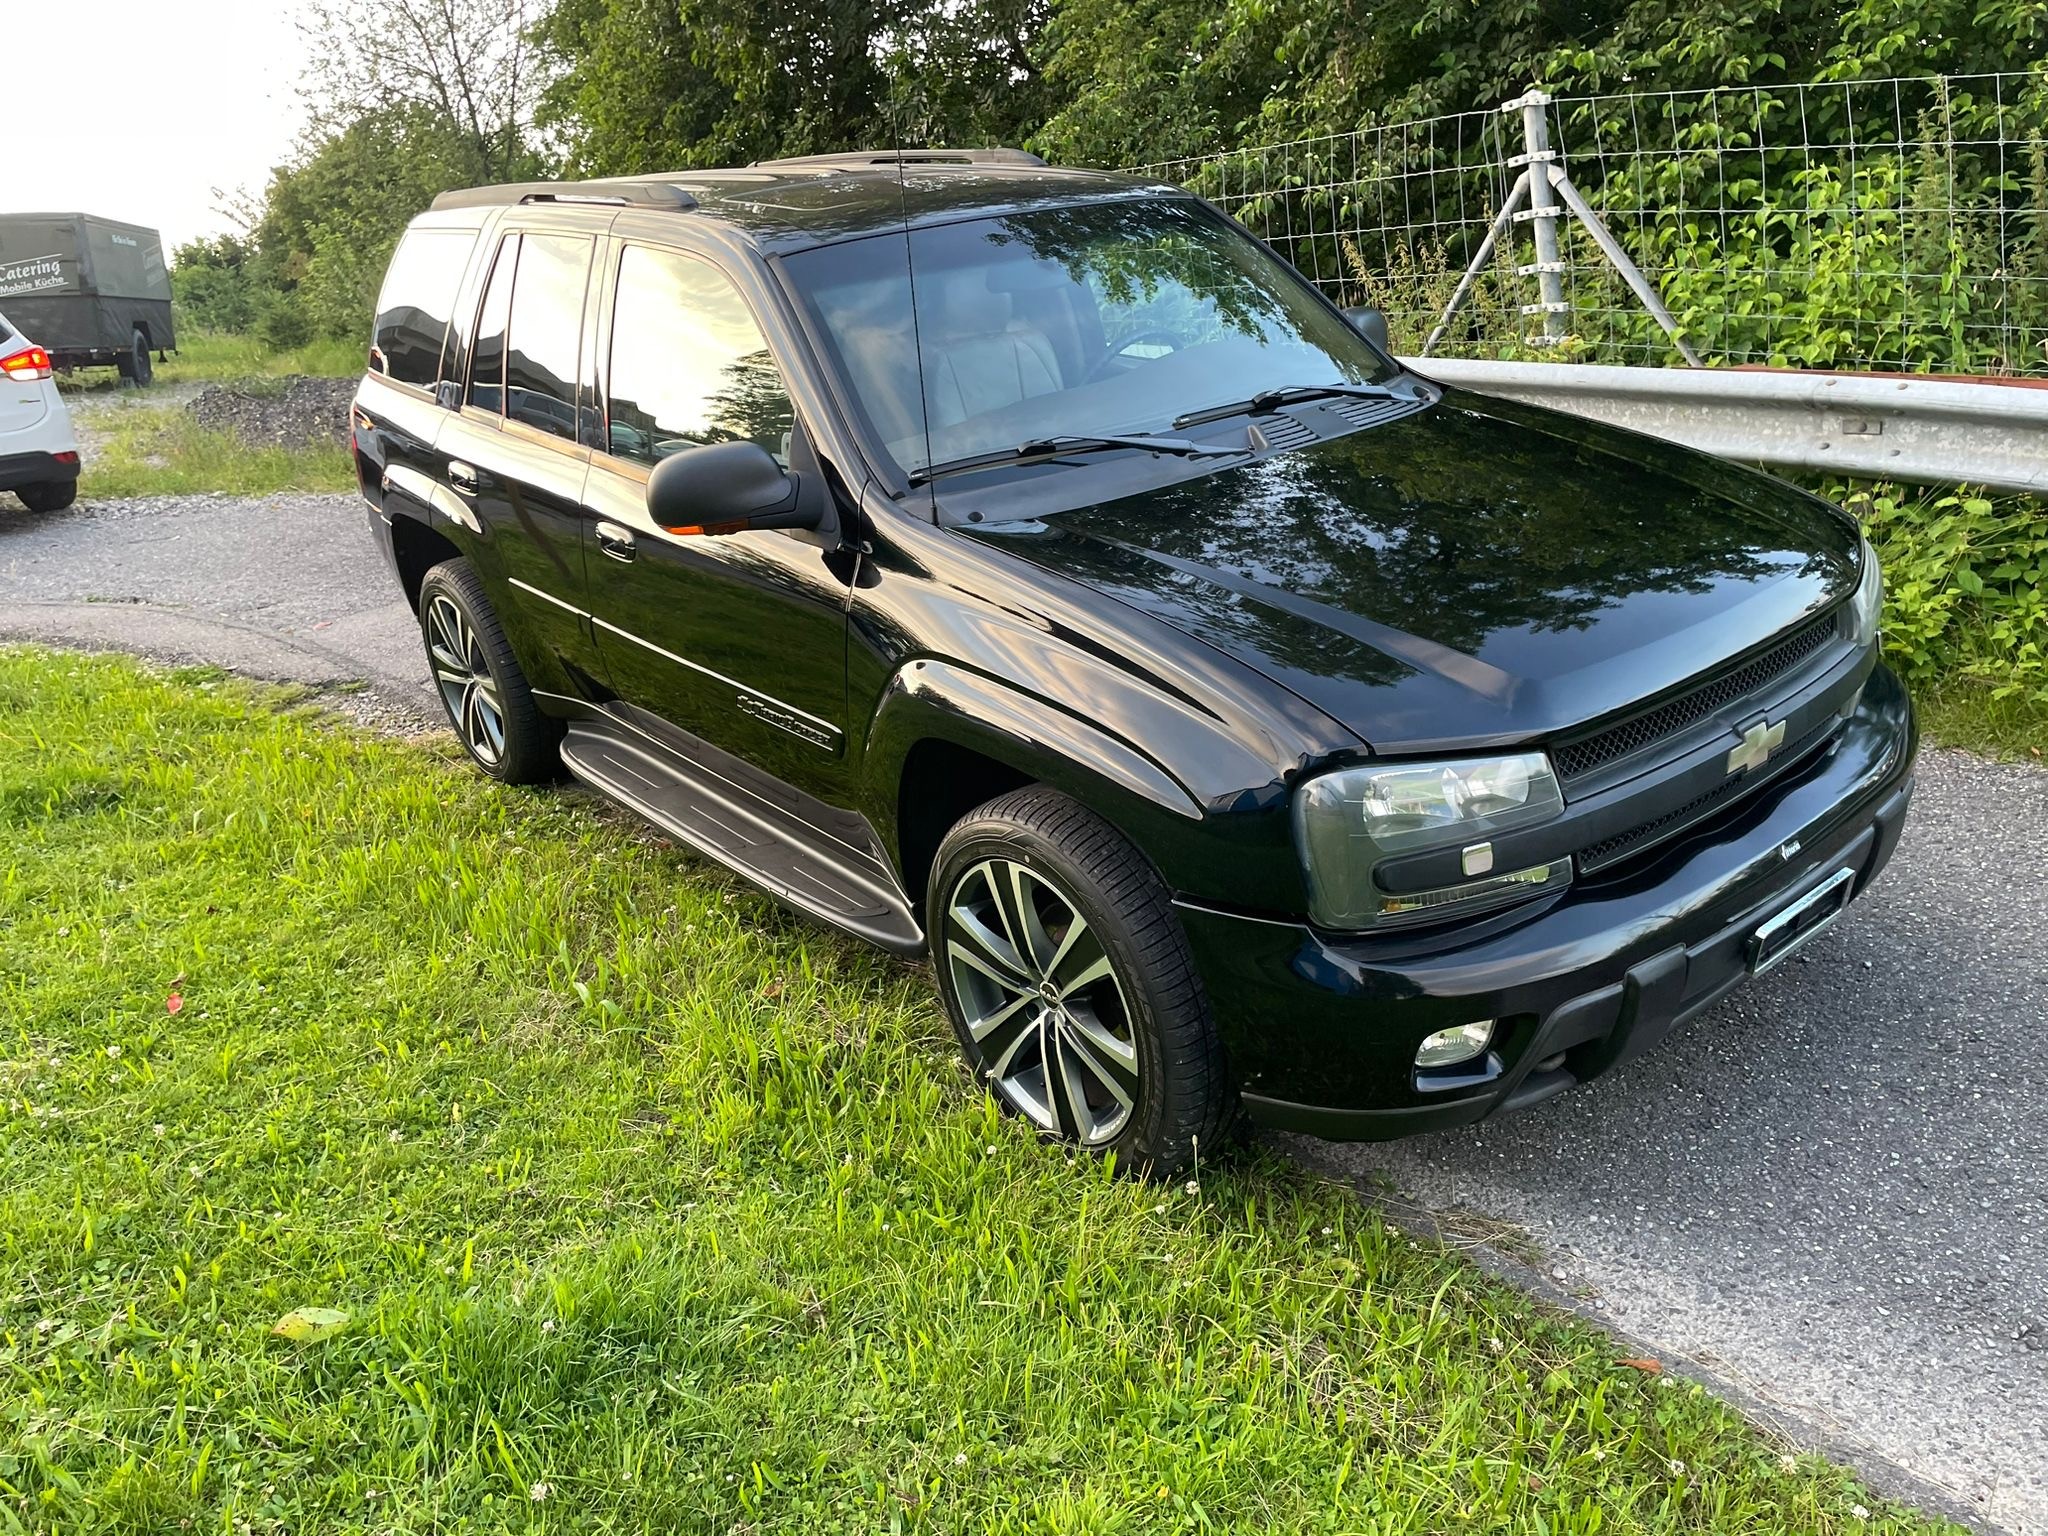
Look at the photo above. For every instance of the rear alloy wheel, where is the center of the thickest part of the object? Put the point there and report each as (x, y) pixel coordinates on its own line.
(1070, 985)
(463, 675)
(479, 680)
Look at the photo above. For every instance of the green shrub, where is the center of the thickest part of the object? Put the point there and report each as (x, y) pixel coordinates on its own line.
(1966, 586)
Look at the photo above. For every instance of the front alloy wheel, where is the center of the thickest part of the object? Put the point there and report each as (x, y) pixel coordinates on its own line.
(1069, 981)
(463, 674)
(1041, 1002)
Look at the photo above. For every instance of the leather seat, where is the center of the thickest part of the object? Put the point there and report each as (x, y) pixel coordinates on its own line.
(977, 359)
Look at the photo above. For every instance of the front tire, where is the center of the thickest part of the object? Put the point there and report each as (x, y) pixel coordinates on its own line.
(1070, 984)
(50, 496)
(479, 682)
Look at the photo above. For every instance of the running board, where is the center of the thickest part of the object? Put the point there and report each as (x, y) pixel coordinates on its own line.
(780, 852)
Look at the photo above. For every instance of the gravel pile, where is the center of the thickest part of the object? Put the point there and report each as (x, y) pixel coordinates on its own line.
(292, 412)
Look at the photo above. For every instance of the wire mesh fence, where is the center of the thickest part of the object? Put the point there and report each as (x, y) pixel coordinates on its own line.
(1875, 224)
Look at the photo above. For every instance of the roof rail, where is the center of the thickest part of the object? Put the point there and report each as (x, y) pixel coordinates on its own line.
(862, 159)
(618, 191)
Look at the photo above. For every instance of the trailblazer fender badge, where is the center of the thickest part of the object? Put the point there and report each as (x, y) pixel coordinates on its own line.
(1756, 746)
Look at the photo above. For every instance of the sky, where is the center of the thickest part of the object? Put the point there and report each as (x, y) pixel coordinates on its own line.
(209, 101)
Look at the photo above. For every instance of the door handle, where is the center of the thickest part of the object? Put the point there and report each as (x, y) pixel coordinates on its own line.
(463, 477)
(615, 541)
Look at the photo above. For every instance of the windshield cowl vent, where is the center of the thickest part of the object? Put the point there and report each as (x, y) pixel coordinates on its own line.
(1277, 434)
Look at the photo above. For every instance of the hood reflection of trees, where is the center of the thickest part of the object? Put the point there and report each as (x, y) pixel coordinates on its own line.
(1448, 525)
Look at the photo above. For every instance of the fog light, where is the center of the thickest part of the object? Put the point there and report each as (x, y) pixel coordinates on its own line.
(1448, 1047)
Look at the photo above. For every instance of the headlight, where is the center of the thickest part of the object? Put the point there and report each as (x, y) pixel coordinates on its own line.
(1346, 823)
(1866, 607)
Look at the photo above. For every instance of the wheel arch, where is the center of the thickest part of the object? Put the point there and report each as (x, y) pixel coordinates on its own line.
(947, 739)
(416, 548)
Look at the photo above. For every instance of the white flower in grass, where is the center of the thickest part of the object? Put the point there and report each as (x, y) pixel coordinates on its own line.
(539, 1492)
(1787, 1462)
(1192, 1187)
(1859, 1511)
(991, 1151)
(960, 1458)
(1677, 1467)
(114, 1051)
(1328, 1230)
(548, 1326)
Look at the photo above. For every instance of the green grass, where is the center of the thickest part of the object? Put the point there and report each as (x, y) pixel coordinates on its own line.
(654, 1209)
(155, 450)
(213, 356)
(1962, 713)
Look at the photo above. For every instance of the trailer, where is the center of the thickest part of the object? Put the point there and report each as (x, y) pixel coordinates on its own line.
(92, 292)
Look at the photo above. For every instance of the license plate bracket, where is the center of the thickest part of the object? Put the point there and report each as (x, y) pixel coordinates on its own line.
(1779, 937)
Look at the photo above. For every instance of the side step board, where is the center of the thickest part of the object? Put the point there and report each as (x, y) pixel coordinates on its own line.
(782, 853)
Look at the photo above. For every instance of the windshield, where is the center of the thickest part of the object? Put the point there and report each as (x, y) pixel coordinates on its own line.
(1075, 321)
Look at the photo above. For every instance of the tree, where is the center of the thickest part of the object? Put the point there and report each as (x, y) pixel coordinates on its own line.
(213, 284)
(331, 217)
(468, 66)
(643, 85)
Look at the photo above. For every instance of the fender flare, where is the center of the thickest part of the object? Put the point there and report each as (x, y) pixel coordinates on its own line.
(929, 700)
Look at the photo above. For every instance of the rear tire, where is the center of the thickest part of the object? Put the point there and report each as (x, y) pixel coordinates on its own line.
(141, 367)
(50, 496)
(479, 682)
(1071, 987)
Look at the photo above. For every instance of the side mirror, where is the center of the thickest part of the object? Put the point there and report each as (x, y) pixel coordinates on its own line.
(1371, 324)
(725, 488)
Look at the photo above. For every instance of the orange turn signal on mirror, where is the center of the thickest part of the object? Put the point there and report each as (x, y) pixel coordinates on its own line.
(28, 365)
(706, 529)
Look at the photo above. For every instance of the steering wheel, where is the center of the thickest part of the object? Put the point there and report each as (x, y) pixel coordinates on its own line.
(1173, 342)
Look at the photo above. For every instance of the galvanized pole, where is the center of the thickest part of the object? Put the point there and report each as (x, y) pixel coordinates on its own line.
(1543, 212)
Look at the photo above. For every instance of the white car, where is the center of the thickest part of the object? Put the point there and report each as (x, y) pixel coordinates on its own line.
(38, 451)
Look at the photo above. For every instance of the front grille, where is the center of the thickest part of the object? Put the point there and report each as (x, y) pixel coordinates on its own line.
(1701, 809)
(1606, 852)
(1574, 760)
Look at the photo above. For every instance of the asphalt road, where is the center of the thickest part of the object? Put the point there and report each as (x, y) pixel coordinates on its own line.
(1832, 1191)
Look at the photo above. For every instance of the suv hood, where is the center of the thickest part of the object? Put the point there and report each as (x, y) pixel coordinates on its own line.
(1477, 573)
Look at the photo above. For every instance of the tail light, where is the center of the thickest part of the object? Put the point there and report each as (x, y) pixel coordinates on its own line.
(28, 365)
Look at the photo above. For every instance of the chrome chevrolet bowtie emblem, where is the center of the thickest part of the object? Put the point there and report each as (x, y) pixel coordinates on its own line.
(1756, 746)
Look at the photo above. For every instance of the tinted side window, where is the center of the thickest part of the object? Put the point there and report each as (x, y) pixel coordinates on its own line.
(417, 302)
(688, 364)
(547, 325)
(487, 358)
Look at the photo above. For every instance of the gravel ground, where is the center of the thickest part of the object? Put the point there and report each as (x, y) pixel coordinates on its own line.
(1831, 1192)
(291, 412)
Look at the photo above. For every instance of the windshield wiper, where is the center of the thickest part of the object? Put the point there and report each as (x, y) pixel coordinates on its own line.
(1060, 447)
(1272, 399)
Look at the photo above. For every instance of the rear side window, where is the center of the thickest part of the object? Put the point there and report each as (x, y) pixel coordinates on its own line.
(417, 303)
(688, 364)
(487, 358)
(546, 329)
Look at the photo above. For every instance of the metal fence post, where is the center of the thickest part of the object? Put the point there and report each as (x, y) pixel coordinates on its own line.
(1543, 211)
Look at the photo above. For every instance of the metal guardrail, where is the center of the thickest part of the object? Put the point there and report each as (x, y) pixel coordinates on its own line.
(1927, 431)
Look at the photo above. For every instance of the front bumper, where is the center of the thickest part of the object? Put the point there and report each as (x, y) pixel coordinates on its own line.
(1322, 1029)
(19, 469)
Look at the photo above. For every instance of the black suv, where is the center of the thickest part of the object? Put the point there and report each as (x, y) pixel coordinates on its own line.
(1030, 567)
